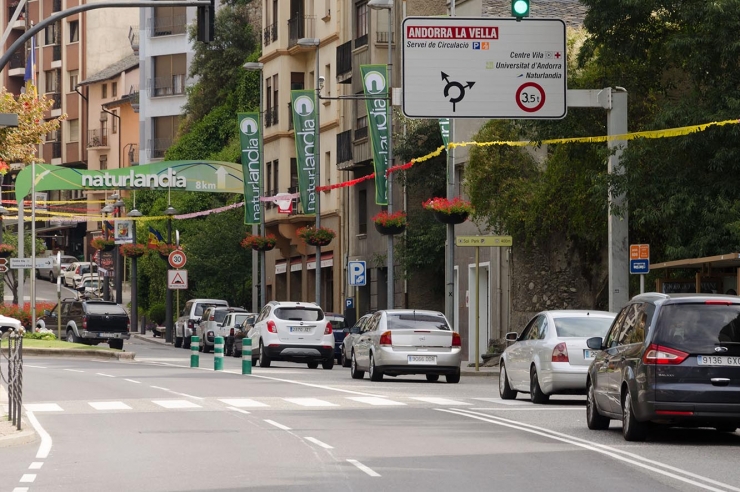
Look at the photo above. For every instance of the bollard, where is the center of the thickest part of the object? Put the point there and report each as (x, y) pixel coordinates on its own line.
(218, 354)
(194, 357)
(247, 356)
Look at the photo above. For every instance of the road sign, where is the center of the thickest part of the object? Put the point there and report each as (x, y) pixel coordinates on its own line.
(28, 262)
(349, 303)
(494, 241)
(3, 265)
(640, 267)
(357, 273)
(177, 279)
(639, 259)
(177, 259)
(458, 67)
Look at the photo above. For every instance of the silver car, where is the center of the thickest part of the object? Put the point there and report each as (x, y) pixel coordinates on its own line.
(407, 341)
(551, 356)
(353, 333)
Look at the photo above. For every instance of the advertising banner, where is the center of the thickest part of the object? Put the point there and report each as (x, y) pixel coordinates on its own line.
(304, 123)
(249, 136)
(374, 83)
(123, 232)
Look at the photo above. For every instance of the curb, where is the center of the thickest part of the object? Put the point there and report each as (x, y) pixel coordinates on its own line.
(9, 435)
(105, 354)
(144, 338)
(480, 373)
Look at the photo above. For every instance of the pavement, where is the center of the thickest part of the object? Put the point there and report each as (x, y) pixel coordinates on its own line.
(9, 433)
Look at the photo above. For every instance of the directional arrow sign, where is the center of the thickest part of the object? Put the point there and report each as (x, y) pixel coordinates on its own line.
(3, 265)
(221, 178)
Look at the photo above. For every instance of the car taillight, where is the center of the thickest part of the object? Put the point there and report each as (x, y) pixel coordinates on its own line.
(560, 353)
(84, 322)
(191, 324)
(328, 330)
(128, 324)
(211, 318)
(456, 340)
(345, 334)
(385, 338)
(658, 354)
(271, 327)
(77, 271)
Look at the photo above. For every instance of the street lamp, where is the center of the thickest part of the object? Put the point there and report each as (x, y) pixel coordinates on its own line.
(316, 43)
(257, 306)
(169, 212)
(388, 5)
(108, 209)
(134, 214)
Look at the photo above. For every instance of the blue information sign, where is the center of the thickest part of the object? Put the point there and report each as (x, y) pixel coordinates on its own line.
(639, 267)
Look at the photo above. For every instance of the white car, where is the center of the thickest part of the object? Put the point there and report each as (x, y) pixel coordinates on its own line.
(551, 356)
(74, 272)
(293, 332)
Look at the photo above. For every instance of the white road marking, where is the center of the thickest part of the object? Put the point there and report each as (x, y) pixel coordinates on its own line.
(28, 478)
(35, 367)
(615, 453)
(42, 407)
(438, 401)
(533, 409)
(176, 404)
(243, 402)
(320, 386)
(239, 410)
(104, 375)
(319, 443)
(132, 381)
(108, 405)
(159, 388)
(45, 446)
(499, 401)
(36, 465)
(310, 402)
(73, 370)
(20, 489)
(279, 426)
(374, 400)
(176, 393)
(364, 468)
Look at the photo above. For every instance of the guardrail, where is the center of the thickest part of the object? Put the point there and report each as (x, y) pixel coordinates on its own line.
(14, 380)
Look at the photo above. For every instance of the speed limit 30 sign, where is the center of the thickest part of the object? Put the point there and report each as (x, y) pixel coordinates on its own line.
(177, 259)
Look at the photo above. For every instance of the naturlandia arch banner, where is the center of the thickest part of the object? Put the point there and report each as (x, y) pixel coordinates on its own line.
(249, 136)
(374, 83)
(304, 123)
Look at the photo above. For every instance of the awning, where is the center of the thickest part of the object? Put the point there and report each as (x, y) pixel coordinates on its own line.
(296, 264)
(729, 260)
(280, 267)
(327, 260)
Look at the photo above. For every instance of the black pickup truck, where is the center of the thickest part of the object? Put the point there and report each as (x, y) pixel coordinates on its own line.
(89, 321)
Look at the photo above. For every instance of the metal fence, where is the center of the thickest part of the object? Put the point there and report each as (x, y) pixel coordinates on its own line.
(13, 355)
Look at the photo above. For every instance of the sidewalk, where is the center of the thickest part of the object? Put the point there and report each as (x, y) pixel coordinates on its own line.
(9, 434)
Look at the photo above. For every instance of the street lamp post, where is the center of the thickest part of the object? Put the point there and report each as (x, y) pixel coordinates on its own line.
(388, 5)
(316, 43)
(256, 307)
(134, 214)
(169, 212)
(117, 206)
(106, 287)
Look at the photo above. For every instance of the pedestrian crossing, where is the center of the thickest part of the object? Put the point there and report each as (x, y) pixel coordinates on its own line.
(267, 403)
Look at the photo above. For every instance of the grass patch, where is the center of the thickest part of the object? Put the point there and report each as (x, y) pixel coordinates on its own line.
(59, 344)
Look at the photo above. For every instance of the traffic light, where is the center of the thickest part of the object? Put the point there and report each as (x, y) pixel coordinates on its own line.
(206, 22)
(520, 8)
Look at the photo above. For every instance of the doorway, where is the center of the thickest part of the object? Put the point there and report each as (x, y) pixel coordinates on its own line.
(484, 313)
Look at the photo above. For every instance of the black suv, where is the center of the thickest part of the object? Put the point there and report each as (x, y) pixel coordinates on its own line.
(671, 359)
(89, 321)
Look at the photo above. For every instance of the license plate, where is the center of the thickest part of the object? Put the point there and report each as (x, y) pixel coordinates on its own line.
(300, 329)
(718, 360)
(589, 354)
(422, 359)
(106, 335)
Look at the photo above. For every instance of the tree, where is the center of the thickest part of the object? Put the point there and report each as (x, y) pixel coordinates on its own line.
(20, 144)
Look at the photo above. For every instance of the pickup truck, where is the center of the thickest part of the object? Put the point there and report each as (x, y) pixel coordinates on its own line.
(89, 321)
(187, 323)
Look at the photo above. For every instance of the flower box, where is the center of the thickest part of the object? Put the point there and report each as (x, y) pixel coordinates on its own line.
(316, 237)
(390, 224)
(102, 244)
(165, 249)
(259, 243)
(455, 211)
(6, 250)
(132, 250)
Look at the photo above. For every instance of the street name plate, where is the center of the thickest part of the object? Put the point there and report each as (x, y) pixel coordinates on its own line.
(493, 241)
(27, 262)
(476, 67)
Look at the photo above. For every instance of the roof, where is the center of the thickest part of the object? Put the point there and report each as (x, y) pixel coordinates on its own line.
(728, 260)
(111, 71)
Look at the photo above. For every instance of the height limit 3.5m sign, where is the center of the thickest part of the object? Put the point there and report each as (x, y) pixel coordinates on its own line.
(463, 67)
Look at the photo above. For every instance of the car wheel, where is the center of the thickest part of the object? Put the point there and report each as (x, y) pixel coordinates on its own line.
(432, 378)
(594, 419)
(453, 378)
(535, 392)
(632, 429)
(726, 428)
(71, 337)
(375, 373)
(228, 351)
(354, 372)
(312, 365)
(328, 364)
(264, 358)
(207, 348)
(115, 344)
(178, 342)
(504, 388)
(52, 279)
(186, 343)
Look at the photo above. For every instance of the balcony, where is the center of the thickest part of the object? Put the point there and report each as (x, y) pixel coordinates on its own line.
(344, 147)
(56, 97)
(170, 85)
(382, 37)
(133, 38)
(361, 41)
(158, 147)
(167, 25)
(271, 116)
(18, 59)
(97, 138)
(270, 34)
(300, 27)
(56, 6)
(133, 98)
(56, 52)
(294, 189)
(344, 63)
(20, 22)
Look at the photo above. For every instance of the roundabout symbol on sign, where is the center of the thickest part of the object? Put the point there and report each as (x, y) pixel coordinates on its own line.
(177, 259)
(531, 100)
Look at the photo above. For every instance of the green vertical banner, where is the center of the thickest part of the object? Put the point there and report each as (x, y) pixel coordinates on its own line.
(444, 127)
(306, 132)
(374, 82)
(250, 136)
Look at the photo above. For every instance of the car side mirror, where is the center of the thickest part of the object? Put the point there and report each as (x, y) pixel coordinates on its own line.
(512, 336)
(595, 343)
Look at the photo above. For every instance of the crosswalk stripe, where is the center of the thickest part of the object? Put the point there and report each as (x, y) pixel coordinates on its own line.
(243, 402)
(439, 401)
(109, 405)
(310, 402)
(374, 400)
(176, 404)
(42, 407)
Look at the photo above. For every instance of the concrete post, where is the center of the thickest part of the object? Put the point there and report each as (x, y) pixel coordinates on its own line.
(194, 357)
(218, 354)
(247, 356)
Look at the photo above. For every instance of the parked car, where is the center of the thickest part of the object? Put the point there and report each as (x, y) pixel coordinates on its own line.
(338, 325)
(211, 326)
(293, 332)
(190, 317)
(74, 272)
(350, 335)
(48, 273)
(550, 356)
(241, 332)
(89, 321)
(668, 359)
(405, 341)
(7, 324)
(91, 288)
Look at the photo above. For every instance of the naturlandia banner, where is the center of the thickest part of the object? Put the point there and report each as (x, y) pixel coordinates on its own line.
(374, 79)
(304, 124)
(249, 136)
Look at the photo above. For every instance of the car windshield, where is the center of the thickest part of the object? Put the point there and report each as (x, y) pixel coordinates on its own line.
(219, 315)
(582, 327)
(337, 323)
(239, 319)
(698, 327)
(86, 269)
(299, 314)
(104, 308)
(416, 321)
(199, 308)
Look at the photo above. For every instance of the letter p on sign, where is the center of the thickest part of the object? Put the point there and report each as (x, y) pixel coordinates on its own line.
(356, 271)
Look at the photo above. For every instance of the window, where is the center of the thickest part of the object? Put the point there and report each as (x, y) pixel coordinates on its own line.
(74, 31)
(114, 89)
(73, 127)
(327, 167)
(612, 337)
(103, 162)
(275, 180)
(51, 34)
(74, 77)
(327, 82)
(362, 212)
(275, 102)
(361, 27)
(268, 180)
(104, 90)
(293, 173)
(53, 82)
(114, 124)
(268, 103)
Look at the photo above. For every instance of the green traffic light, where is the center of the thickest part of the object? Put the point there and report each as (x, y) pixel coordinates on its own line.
(520, 8)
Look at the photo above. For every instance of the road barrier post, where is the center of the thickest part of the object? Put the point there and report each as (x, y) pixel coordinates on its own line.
(218, 354)
(194, 357)
(247, 356)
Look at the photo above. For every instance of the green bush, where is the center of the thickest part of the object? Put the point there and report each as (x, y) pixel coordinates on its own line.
(41, 335)
(157, 313)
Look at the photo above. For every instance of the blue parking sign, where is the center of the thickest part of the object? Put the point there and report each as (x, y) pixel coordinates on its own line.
(639, 267)
(356, 271)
